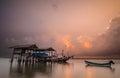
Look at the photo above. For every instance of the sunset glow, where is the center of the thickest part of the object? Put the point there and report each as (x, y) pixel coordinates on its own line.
(60, 38)
(74, 25)
(67, 43)
(87, 45)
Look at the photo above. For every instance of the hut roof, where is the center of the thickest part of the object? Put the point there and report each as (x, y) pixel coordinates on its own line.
(31, 47)
(50, 49)
(27, 46)
(47, 49)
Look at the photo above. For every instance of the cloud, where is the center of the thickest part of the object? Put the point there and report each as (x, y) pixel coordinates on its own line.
(46, 23)
(108, 43)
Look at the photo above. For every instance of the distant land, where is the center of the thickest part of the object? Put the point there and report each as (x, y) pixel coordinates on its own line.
(97, 57)
(7, 54)
(84, 57)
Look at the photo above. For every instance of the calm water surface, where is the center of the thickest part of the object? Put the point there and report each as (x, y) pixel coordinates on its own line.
(72, 69)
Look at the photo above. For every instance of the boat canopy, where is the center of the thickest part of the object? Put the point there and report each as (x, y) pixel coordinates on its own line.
(40, 54)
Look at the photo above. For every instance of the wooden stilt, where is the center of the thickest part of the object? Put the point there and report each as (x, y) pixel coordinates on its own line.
(12, 57)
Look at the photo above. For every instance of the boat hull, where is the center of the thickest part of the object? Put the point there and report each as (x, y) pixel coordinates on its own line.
(98, 64)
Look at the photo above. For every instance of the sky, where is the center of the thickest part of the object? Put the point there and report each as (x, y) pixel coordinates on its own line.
(84, 27)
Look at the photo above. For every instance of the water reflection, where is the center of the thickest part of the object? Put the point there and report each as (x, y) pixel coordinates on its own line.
(89, 73)
(109, 67)
(99, 72)
(29, 70)
(68, 71)
(72, 69)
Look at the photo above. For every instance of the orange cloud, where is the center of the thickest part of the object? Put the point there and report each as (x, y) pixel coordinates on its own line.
(87, 45)
(67, 42)
(85, 41)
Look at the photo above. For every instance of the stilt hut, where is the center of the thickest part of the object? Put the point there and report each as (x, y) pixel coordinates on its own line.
(23, 53)
(30, 53)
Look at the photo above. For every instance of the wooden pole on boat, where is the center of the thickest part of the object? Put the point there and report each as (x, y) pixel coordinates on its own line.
(62, 53)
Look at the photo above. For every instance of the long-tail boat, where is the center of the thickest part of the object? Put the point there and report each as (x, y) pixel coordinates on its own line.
(108, 64)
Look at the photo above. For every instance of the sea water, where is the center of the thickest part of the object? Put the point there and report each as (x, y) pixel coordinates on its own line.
(74, 68)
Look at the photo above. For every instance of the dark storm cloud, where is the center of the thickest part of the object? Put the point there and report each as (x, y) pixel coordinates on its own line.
(113, 36)
(109, 42)
(106, 44)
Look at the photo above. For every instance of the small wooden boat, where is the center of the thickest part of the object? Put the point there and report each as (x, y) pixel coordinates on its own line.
(63, 59)
(108, 64)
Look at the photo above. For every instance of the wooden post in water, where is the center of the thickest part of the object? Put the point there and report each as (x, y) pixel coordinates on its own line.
(12, 57)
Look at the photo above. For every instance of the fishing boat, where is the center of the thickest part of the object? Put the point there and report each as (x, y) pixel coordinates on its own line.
(108, 64)
(63, 59)
(43, 57)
